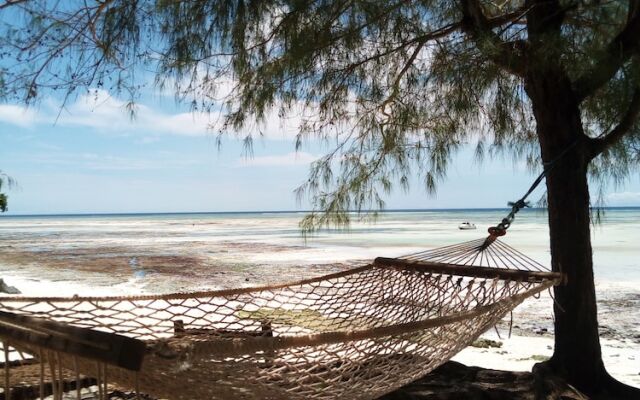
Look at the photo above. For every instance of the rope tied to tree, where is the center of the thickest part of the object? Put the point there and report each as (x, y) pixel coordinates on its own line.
(501, 228)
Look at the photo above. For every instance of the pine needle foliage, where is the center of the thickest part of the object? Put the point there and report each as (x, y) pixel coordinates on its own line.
(7, 182)
(393, 87)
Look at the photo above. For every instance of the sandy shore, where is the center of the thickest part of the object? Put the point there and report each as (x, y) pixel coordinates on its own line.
(520, 353)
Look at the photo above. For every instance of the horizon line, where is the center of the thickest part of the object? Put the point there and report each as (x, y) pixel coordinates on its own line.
(397, 210)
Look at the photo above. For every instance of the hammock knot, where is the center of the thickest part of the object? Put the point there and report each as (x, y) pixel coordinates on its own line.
(496, 231)
(501, 228)
(520, 204)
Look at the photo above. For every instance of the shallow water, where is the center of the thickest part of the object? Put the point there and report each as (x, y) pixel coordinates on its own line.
(263, 239)
(127, 254)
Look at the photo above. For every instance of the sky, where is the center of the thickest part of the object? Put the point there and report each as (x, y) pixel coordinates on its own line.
(91, 157)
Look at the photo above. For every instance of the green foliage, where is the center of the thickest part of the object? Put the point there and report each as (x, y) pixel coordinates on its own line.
(8, 181)
(393, 88)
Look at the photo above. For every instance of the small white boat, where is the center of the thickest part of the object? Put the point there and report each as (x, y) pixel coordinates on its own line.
(466, 226)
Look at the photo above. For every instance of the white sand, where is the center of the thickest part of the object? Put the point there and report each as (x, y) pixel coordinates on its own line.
(42, 288)
(520, 353)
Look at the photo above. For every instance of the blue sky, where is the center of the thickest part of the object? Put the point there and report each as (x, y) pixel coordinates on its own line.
(90, 157)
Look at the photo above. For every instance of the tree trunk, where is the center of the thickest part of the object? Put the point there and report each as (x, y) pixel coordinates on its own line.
(577, 356)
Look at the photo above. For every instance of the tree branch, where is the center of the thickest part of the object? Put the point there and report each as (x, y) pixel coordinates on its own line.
(617, 52)
(92, 24)
(396, 83)
(9, 3)
(602, 143)
(439, 33)
(505, 54)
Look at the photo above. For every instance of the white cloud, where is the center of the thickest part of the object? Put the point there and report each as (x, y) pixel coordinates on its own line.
(46, 146)
(18, 115)
(100, 111)
(108, 162)
(289, 159)
(273, 127)
(148, 140)
(624, 198)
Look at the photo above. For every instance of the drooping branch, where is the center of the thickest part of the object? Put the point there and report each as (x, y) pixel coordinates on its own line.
(506, 54)
(92, 24)
(9, 3)
(442, 32)
(395, 90)
(600, 144)
(616, 54)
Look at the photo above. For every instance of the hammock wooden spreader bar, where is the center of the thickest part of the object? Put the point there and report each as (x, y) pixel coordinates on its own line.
(470, 271)
(108, 348)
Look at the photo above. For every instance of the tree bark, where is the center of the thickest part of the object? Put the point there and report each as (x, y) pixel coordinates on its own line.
(577, 355)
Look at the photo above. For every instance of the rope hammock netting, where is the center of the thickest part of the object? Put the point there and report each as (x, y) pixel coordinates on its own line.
(356, 334)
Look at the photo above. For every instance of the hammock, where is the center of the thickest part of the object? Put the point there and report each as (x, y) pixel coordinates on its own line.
(356, 334)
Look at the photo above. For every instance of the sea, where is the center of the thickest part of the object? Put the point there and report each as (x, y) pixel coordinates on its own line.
(120, 254)
(127, 252)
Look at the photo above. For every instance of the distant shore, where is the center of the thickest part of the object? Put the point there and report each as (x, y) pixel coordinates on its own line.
(266, 212)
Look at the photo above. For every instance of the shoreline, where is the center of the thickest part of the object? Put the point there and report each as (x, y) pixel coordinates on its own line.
(275, 212)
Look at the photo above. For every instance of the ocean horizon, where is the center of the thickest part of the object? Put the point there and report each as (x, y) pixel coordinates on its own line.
(209, 237)
(240, 212)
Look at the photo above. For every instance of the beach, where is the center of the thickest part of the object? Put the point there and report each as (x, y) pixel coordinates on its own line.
(165, 253)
